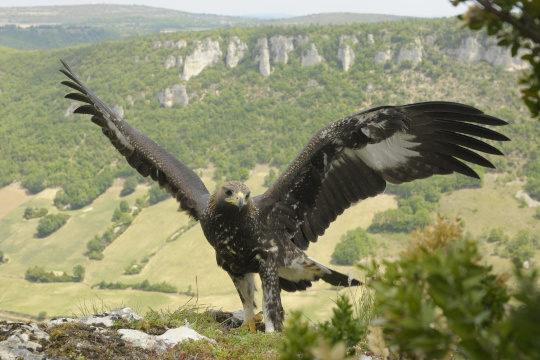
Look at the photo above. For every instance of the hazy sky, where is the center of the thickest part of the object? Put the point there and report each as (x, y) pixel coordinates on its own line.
(421, 8)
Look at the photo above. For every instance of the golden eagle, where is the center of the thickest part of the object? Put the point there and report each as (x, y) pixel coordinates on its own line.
(344, 162)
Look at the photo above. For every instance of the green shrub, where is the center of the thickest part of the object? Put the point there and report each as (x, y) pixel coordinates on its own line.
(133, 268)
(33, 213)
(95, 255)
(129, 186)
(143, 286)
(50, 223)
(39, 274)
(497, 235)
(522, 247)
(354, 245)
(339, 335)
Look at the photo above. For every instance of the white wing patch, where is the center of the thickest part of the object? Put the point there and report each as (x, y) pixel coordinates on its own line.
(389, 153)
(303, 268)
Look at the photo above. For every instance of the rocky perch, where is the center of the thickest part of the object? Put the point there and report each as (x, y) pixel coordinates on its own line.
(104, 335)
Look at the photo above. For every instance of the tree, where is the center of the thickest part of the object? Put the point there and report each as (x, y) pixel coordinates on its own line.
(515, 24)
(129, 186)
(78, 273)
(354, 245)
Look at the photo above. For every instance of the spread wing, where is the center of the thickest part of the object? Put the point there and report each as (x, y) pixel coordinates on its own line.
(353, 158)
(141, 152)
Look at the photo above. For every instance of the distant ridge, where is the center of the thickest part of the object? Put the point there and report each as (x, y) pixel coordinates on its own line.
(52, 27)
(338, 18)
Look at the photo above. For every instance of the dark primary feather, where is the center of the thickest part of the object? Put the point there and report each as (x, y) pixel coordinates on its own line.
(353, 158)
(143, 154)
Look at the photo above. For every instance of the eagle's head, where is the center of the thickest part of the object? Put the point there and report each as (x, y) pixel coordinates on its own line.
(234, 193)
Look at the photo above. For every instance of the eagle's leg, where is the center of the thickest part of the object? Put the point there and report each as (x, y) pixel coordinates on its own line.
(245, 285)
(272, 308)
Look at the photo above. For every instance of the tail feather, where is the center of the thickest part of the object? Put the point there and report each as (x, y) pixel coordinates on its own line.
(338, 279)
(304, 270)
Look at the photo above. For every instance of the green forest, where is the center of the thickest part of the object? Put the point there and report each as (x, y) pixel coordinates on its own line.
(236, 118)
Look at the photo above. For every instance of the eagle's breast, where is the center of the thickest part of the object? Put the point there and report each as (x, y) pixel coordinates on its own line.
(235, 237)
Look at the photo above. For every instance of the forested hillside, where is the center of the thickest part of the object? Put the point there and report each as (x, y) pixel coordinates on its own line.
(236, 117)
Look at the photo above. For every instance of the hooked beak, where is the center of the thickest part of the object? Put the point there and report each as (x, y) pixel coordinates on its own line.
(240, 199)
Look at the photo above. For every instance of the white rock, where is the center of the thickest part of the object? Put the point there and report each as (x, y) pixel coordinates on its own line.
(106, 318)
(281, 46)
(119, 110)
(160, 343)
(170, 62)
(370, 39)
(235, 51)
(206, 53)
(169, 44)
(174, 336)
(348, 38)
(71, 108)
(172, 95)
(300, 40)
(264, 57)
(346, 56)
(383, 56)
(311, 57)
(411, 52)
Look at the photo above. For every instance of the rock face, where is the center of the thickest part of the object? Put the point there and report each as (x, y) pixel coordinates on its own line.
(346, 56)
(345, 52)
(300, 40)
(235, 52)
(280, 47)
(264, 57)
(471, 50)
(173, 62)
(311, 57)
(71, 108)
(383, 56)
(92, 337)
(206, 53)
(347, 38)
(411, 52)
(172, 95)
(370, 39)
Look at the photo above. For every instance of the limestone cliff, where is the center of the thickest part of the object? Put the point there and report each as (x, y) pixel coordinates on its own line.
(280, 47)
(263, 58)
(206, 53)
(235, 51)
(172, 95)
(311, 57)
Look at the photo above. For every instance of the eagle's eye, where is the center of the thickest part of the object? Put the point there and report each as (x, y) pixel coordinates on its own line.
(247, 196)
(228, 192)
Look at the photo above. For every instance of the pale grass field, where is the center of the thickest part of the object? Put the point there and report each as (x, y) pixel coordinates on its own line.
(189, 261)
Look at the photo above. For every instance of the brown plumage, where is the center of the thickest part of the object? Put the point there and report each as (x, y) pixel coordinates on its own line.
(344, 162)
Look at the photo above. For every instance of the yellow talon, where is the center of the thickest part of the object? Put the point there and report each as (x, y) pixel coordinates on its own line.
(258, 317)
(251, 325)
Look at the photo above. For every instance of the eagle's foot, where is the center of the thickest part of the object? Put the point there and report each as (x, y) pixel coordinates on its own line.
(251, 323)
